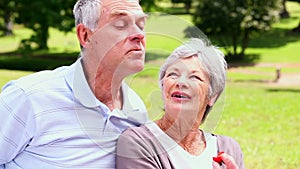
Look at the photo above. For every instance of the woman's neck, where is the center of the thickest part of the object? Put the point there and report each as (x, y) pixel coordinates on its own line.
(190, 139)
(194, 142)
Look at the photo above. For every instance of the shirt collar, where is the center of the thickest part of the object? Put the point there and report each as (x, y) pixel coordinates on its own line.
(83, 93)
(133, 106)
(81, 90)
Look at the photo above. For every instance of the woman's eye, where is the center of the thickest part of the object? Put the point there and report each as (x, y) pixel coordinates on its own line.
(172, 75)
(195, 77)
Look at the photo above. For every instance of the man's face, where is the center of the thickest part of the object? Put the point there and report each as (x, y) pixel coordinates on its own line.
(119, 42)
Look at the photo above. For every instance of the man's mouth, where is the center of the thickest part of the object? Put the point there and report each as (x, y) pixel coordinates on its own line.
(135, 50)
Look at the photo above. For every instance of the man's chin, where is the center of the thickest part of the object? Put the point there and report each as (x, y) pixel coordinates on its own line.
(137, 61)
(136, 54)
(139, 66)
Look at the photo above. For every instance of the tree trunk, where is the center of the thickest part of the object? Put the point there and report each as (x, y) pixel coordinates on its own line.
(284, 13)
(8, 23)
(234, 44)
(245, 42)
(188, 5)
(42, 37)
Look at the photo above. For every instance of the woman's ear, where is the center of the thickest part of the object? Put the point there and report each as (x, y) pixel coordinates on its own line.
(212, 100)
(83, 34)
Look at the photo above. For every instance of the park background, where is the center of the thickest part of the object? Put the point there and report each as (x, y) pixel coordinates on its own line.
(259, 110)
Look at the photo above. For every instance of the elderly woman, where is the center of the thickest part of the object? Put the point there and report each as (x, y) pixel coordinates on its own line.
(191, 80)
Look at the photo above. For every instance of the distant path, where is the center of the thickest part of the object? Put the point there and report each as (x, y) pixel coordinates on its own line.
(285, 80)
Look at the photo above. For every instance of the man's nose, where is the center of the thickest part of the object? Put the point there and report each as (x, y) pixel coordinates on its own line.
(137, 35)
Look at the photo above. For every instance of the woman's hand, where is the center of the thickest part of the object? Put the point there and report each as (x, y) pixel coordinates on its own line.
(227, 160)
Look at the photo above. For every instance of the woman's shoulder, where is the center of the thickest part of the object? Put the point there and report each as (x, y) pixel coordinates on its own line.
(226, 140)
(230, 146)
(139, 135)
(137, 131)
(138, 142)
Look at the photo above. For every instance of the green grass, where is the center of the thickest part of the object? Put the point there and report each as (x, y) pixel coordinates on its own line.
(265, 121)
(7, 75)
(60, 42)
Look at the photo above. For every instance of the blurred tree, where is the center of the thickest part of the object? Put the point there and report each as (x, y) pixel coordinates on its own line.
(7, 10)
(187, 4)
(284, 13)
(296, 29)
(233, 22)
(148, 5)
(40, 16)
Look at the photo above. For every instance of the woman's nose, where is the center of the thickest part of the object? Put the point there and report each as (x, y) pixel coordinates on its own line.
(181, 82)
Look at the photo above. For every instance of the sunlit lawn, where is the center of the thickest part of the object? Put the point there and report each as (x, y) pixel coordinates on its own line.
(7, 75)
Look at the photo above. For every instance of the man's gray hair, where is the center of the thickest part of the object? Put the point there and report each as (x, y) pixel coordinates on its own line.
(211, 58)
(88, 13)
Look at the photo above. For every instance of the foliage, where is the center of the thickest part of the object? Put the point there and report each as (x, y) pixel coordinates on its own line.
(33, 64)
(40, 16)
(234, 22)
(187, 4)
(148, 5)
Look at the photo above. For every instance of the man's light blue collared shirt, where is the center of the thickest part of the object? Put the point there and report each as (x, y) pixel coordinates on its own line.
(51, 119)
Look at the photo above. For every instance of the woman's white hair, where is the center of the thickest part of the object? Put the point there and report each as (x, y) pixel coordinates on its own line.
(211, 58)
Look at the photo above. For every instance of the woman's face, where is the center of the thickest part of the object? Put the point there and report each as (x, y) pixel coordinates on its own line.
(185, 91)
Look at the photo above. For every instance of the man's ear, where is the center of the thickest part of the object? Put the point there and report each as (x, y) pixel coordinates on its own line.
(83, 34)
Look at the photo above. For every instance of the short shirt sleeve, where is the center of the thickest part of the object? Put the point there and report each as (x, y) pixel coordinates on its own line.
(17, 124)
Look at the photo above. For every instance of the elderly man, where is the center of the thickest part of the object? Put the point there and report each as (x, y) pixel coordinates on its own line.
(71, 117)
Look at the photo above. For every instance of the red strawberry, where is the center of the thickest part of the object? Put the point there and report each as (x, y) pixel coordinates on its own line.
(218, 159)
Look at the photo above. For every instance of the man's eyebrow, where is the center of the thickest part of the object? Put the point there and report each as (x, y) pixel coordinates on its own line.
(126, 13)
(119, 13)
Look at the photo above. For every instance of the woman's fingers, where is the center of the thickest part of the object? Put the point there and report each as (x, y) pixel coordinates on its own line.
(229, 161)
(224, 159)
(216, 165)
